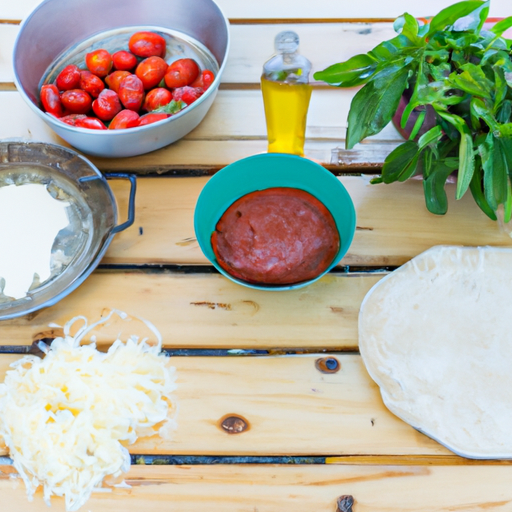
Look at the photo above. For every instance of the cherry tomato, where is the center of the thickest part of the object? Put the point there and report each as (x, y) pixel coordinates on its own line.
(180, 73)
(114, 79)
(125, 119)
(123, 60)
(152, 118)
(76, 101)
(83, 121)
(91, 83)
(151, 71)
(187, 94)
(99, 62)
(71, 119)
(68, 78)
(204, 80)
(157, 98)
(107, 105)
(50, 98)
(131, 92)
(147, 44)
(90, 122)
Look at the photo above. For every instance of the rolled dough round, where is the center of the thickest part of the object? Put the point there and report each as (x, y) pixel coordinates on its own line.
(436, 336)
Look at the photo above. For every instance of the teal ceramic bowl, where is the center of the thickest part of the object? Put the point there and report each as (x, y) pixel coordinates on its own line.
(264, 171)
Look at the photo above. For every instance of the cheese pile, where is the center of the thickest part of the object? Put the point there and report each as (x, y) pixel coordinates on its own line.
(68, 417)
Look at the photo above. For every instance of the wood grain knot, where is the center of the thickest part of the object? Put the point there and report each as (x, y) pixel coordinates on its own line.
(48, 336)
(344, 503)
(213, 305)
(44, 337)
(232, 424)
(327, 365)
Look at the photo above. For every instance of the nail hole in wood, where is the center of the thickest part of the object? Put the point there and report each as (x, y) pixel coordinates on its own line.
(233, 424)
(345, 503)
(327, 365)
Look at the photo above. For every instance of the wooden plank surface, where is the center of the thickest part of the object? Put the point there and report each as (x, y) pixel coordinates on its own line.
(389, 232)
(209, 311)
(321, 9)
(290, 406)
(292, 489)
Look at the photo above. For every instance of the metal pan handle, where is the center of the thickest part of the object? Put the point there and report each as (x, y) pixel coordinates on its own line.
(131, 201)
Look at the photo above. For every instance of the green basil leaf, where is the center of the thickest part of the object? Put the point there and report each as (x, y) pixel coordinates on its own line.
(466, 155)
(476, 187)
(436, 200)
(387, 51)
(504, 112)
(397, 49)
(489, 57)
(473, 21)
(462, 43)
(423, 30)
(418, 124)
(508, 78)
(408, 26)
(373, 106)
(458, 58)
(503, 130)
(437, 57)
(498, 58)
(433, 135)
(495, 165)
(506, 143)
(500, 88)
(496, 43)
(479, 109)
(473, 81)
(507, 205)
(427, 159)
(502, 25)
(448, 17)
(421, 80)
(355, 71)
(447, 150)
(401, 163)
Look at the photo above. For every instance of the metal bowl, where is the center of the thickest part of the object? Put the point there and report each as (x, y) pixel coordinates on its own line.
(60, 32)
(91, 211)
(264, 171)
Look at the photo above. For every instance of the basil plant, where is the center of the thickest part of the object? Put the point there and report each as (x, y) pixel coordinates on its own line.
(464, 73)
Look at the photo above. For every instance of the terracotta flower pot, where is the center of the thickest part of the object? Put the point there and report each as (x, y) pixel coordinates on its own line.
(428, 123)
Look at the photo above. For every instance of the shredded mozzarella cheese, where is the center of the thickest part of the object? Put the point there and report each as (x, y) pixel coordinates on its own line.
(67, 418)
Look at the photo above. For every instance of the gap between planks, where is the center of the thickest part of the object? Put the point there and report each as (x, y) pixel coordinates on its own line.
(274, 21)
(347, 460)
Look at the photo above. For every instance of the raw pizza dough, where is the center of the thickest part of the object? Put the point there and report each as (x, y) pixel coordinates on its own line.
(436, 336)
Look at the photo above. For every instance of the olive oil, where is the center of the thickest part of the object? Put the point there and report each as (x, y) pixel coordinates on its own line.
(286, 94)
(286, 107)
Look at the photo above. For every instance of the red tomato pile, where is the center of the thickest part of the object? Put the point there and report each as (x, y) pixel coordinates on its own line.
(125, 89)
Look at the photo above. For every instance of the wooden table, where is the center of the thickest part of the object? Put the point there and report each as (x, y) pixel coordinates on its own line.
(311, 435)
